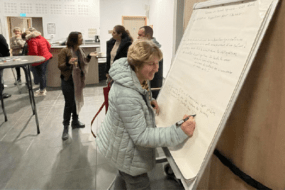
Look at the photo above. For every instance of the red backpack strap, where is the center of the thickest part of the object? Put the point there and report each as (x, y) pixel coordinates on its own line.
(100, 109)
(105, 103)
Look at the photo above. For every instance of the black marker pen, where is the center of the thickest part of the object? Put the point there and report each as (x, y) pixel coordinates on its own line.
(179, 123)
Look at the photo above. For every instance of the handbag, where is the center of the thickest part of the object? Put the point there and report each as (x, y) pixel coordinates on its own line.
(105, 103)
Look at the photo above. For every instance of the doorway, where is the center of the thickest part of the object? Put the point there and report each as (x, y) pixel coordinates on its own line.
(24, 23)
(133, 23)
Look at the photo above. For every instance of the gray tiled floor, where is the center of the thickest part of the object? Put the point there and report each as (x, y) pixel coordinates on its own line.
(44, 161)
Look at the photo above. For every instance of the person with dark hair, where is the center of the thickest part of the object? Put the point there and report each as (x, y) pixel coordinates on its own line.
(25, 48)
(17, 45)
(73, 64)
(117, 46)
(128, 135)
(38, 45)
(146, 32)
(4, 52)
(4, 48)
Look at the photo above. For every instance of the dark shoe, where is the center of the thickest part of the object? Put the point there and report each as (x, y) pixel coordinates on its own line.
(65, 133)
(77, 124)
(18, 82)
(5, 95)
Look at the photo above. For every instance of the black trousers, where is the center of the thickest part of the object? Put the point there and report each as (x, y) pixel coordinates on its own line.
(70, 105)
(18, 73)
(18, 69)
(125, 181)
(157, 80)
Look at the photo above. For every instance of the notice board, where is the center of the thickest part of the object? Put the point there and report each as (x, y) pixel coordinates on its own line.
(208, 71)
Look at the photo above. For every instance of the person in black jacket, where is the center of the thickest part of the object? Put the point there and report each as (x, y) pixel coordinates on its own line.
(4, 52)
(146, 32)
(117, 46)
(4, 49)
(25, 48)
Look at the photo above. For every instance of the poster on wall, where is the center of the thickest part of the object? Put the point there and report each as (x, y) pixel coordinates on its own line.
(51, 28)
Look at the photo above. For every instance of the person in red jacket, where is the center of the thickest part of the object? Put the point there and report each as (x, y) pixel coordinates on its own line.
(38, 45)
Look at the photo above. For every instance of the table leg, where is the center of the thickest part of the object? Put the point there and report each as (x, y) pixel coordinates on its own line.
(31, 94)
(30, 88)
(1, 95)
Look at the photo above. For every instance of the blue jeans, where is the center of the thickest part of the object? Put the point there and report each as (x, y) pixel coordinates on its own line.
(41, 73)
(70, 105)
(125, 181)
(36, 77)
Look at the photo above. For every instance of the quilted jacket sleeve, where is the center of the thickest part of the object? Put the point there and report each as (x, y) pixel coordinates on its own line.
(33, 48)
(131, 112)
(17, 43)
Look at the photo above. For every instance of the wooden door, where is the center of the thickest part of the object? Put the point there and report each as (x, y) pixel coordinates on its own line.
(133, 23)
(23, 23)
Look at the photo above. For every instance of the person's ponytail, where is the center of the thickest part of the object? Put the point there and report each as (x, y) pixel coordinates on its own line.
(121, 30)
(128, 33)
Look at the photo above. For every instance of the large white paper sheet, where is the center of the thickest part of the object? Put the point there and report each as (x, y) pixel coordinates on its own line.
(205, 73)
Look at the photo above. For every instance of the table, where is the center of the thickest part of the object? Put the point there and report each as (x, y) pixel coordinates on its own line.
(24, 62)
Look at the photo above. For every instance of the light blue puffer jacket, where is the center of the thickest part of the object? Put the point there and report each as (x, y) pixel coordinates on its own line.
(128, 136)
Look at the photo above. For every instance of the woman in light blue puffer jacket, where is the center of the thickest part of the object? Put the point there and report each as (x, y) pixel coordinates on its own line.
(128, 136)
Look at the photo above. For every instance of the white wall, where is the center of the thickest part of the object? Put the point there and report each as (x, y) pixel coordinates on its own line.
(111, 12)
(68, 15)
(100, 14)
(161, 16)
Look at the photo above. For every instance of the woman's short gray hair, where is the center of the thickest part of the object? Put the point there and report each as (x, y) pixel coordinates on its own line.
(141, 51)
(17, 29)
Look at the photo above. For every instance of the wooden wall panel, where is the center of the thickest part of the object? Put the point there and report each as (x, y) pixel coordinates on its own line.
(254, 136)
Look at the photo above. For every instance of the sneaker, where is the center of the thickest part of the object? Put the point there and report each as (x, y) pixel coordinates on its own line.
(6, 95)
(37, 92)
(40, 92)
(43, 92)
(36, 86)
(18, 82)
